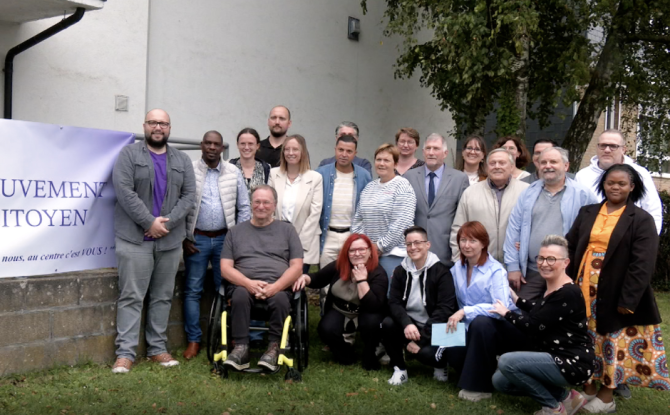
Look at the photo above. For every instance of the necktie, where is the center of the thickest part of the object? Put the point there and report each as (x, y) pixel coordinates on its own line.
(431, 188)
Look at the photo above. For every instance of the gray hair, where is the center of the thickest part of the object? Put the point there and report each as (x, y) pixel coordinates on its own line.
(264, 187)
(436, 136)
(555, 240)
(500, 150)
(613, 131)
(346, 124)
(565, 154)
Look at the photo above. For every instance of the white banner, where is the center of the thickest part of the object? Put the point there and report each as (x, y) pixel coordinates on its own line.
(56, 197)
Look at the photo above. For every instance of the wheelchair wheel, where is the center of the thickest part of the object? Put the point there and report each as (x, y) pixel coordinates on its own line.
(302, 333)
(214, 328)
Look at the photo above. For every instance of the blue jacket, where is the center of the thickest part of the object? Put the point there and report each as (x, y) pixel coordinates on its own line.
(361, 179)
(518, 228)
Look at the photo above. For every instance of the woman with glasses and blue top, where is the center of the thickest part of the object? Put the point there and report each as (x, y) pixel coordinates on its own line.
(564, 354)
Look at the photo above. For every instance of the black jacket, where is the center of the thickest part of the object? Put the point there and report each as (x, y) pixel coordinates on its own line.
(625, 276)
(373, 302)
(440, 297)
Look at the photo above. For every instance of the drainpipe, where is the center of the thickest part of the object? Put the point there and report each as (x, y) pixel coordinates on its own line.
(9, 59)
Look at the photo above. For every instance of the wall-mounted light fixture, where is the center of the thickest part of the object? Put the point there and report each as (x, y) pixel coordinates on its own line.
(353, 28)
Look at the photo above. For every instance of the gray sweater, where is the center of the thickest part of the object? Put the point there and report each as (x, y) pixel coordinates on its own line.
(133, 178)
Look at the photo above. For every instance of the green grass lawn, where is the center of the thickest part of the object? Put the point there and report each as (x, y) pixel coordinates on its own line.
(190, 388)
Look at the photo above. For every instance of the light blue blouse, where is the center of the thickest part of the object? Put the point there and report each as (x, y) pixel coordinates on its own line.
(488, 284)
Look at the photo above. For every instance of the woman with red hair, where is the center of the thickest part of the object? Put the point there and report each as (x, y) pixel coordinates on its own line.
(356, 300)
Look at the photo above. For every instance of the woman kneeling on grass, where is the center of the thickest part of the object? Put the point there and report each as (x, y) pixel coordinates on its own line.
(356, 300)
(422, 294)
(557, 323)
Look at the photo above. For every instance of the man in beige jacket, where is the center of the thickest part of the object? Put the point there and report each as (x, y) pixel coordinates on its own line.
(490, 202)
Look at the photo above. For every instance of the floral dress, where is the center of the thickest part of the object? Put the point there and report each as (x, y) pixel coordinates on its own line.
(633, 355)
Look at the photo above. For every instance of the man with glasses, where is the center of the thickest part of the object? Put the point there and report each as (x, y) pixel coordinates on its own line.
(490, 202)
(155, 190)
(348, 128)
(548, 207)
(612, 150)
(261, 259)
(438, 189)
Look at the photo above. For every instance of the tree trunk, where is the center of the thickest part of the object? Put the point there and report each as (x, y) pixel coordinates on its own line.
(596, 97)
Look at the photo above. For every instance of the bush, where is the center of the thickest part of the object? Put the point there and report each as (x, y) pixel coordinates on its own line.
(661, 278)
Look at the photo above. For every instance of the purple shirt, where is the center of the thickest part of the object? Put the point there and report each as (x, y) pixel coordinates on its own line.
(160, 184)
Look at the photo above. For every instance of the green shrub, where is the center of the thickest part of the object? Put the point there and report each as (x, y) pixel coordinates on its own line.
(661, 278)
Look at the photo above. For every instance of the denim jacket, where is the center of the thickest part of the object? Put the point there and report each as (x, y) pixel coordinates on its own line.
(133, 178)
(518, 228)
(328, 171)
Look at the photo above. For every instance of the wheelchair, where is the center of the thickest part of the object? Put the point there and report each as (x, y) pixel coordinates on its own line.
(294, 339)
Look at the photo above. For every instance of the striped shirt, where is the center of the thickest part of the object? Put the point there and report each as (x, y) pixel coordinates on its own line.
(384, 211)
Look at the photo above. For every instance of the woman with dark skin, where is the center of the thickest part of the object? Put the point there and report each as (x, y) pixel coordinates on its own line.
(613, 247)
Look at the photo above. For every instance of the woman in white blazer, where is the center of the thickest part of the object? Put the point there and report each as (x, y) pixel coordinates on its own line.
(299, 195)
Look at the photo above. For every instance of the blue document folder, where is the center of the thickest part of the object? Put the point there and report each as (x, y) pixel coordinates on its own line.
(441, 338)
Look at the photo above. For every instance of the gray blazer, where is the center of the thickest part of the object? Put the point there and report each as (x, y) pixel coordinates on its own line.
(133, 178)
(437, 219)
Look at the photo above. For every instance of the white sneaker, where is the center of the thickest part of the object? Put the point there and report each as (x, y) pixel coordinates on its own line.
(596, 406)
(440, 375)
(399, 377)
(473, 396)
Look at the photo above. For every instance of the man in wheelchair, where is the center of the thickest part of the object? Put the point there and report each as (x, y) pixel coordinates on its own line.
(261, 259)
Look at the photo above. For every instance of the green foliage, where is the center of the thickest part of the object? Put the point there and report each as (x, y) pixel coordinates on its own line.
(661, 278)
(474, 57)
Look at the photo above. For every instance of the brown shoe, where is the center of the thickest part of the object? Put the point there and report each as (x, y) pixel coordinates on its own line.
(165, 359)
(192, 350)
(122, 365)
(270, 357)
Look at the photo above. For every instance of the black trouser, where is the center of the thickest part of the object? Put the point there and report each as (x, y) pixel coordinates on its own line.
(488, 338)
(394, 340)
(331, 328)
(240, 313)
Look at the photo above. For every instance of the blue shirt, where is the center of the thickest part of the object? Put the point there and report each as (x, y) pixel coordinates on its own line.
(436, 180)
(487, 285)
(211, 216)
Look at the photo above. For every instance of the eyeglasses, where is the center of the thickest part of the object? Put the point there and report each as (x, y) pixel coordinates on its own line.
(354, 251)
(161, 124)
(406, 143)
(613, 147)
(551, 260)
(415, 243)
(473, 149)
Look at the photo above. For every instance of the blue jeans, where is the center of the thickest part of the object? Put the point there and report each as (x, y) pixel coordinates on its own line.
(531, 374)
(196, 269)
(389, 263)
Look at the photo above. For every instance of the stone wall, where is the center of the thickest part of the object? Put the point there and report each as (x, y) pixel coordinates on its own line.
(68, 319)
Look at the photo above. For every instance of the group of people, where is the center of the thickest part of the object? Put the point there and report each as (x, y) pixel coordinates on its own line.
(549, 274)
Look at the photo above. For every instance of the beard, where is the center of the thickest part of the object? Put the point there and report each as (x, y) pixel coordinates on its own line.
(277, 134)
(158, 144)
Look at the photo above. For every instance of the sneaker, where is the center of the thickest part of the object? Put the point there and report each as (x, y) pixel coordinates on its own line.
(552, 411)
(399, 377)
(441, 375)
(573, 402)
(623, 390)
(473, 396)
(596, 406)
(164, 359)
(122, 365)
(270, 357)
(588, 397)
(239, 357)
